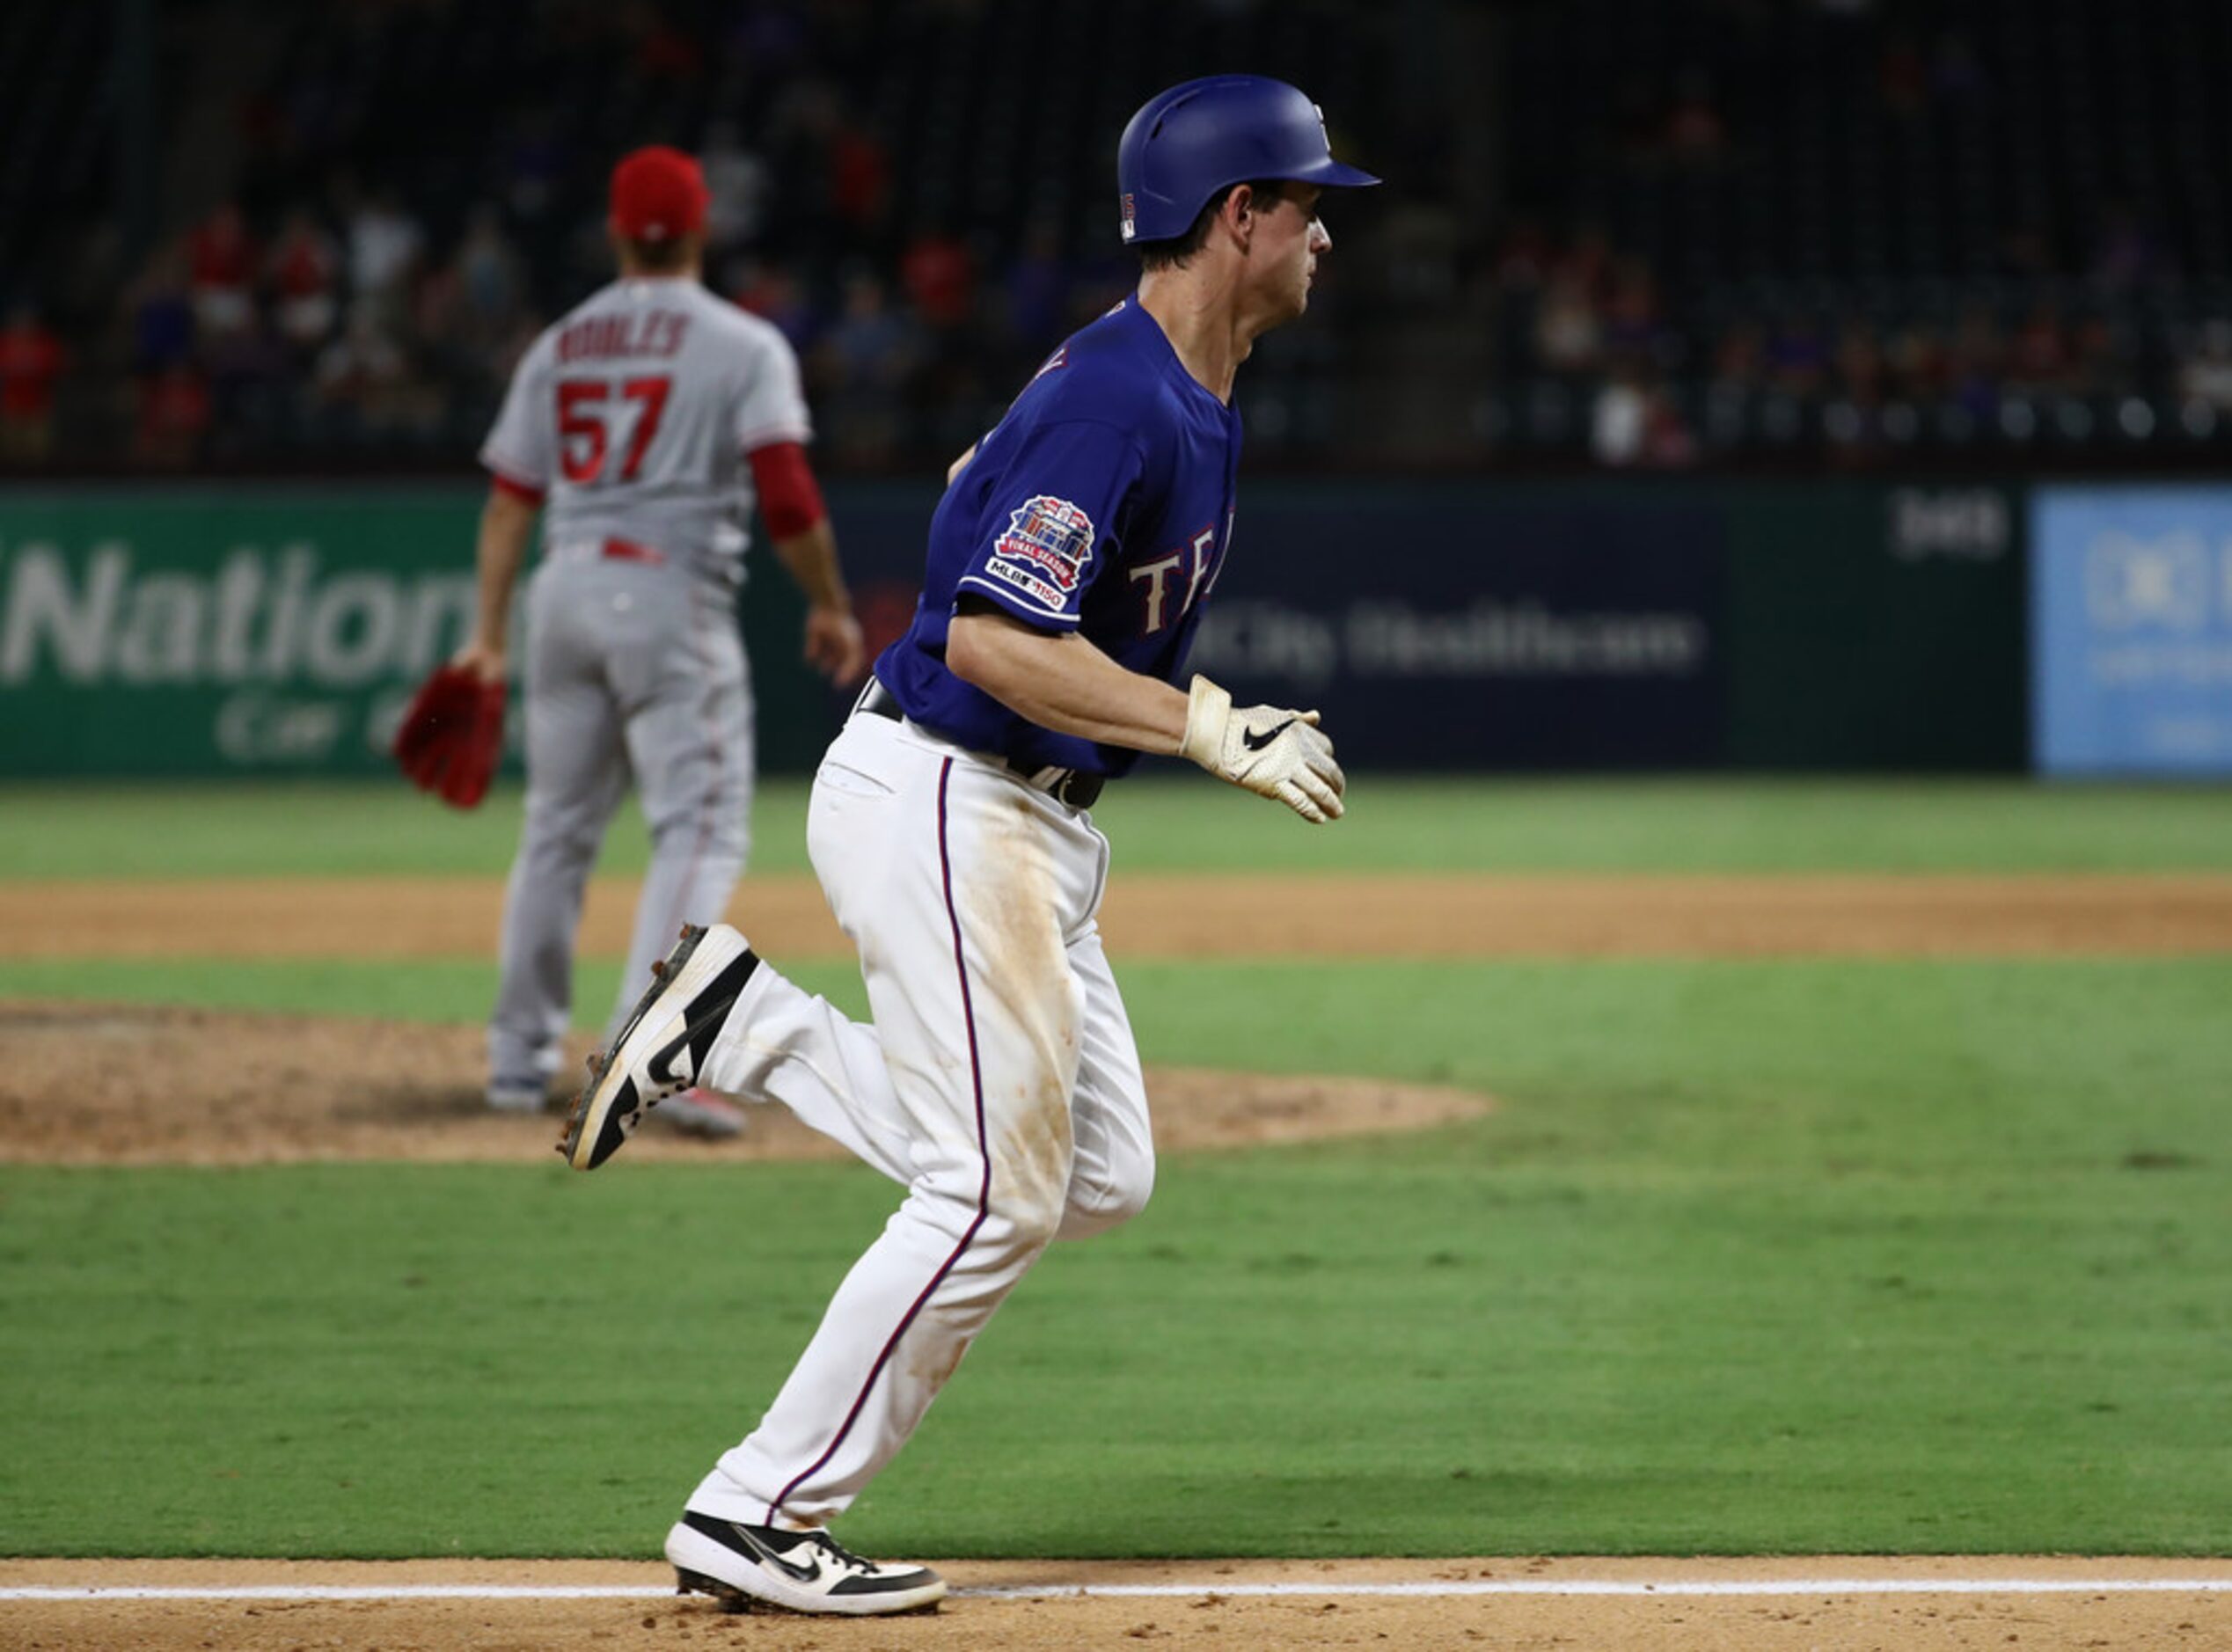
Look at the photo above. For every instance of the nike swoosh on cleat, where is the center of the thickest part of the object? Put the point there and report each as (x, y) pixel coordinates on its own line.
(661, 1068)
(678, 1061)
(810, 1572)
(1254, 741)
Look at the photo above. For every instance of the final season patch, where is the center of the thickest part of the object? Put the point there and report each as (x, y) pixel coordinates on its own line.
(1044, 551)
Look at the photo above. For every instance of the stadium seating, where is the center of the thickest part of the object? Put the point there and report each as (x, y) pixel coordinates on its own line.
(1685, 232)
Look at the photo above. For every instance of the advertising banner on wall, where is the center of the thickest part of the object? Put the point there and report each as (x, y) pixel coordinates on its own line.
(197, 632)
(275, 630)
(1446, 626)
(1469, 630)
(2131, 630)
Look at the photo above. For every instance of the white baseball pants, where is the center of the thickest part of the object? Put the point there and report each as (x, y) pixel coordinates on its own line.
(999, 1083)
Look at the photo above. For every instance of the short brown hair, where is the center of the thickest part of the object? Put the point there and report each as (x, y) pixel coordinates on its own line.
(1168, 254)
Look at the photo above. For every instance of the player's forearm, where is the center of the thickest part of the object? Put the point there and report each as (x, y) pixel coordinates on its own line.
(810, 556)
(1060, 681)
(505, 521)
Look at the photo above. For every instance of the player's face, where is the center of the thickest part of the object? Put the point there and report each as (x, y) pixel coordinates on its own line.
(1293, 238)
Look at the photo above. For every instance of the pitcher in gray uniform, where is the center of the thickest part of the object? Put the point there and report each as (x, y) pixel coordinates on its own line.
(642, 424)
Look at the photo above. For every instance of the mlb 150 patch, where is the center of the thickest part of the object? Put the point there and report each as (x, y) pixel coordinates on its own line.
(1044, 551)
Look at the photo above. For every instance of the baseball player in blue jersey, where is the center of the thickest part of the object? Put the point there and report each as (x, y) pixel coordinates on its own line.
(998, 1082)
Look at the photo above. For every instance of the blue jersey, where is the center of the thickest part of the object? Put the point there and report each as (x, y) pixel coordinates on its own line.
(1102, 504)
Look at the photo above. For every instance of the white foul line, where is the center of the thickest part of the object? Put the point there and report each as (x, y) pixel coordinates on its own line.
(1047, 1591)
(1587, 1586)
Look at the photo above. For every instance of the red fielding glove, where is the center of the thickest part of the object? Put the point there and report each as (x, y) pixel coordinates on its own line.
(450, 739)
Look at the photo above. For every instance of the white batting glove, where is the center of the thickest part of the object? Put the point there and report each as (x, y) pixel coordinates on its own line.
(1278, 753)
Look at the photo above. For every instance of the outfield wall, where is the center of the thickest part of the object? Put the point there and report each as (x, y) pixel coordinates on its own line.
(1468, 626)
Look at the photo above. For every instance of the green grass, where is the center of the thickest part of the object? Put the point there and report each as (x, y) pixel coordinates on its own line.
(443, 989)
(1844, 1256)
(311, 829)
(1755, 1256)
(1718, 824)
(1187, 822)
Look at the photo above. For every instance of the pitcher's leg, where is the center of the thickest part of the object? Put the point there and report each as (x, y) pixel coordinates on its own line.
(576, 773)
(689, 732)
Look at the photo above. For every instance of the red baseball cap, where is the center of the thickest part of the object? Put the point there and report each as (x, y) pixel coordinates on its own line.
(658, 193)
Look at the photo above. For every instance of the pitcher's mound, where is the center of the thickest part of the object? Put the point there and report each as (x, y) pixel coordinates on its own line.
(118, 1084)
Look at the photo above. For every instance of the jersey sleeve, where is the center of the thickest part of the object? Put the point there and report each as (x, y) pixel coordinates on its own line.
(789, 500)
(1051, 522)
(773, 407)
(520, 450)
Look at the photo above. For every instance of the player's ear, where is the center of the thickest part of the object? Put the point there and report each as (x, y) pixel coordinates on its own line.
(1241, 208)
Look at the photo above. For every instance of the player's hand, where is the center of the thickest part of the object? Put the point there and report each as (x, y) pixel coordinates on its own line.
(483, 660)
(1272, 751)
(833, 645)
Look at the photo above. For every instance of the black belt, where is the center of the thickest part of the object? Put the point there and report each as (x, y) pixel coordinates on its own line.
(1072, 787)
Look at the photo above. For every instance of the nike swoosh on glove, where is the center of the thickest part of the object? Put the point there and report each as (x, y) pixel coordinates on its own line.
(1270, 750)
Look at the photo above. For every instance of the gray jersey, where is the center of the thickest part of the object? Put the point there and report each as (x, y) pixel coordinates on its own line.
(632, 416)
(632, 413)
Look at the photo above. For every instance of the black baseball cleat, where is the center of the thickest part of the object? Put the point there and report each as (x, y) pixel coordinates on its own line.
(802, 1571)
(660, 1048)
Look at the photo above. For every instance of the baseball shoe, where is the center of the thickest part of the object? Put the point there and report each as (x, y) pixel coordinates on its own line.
(704, 1113)
(803, 1571)
(660, 1047)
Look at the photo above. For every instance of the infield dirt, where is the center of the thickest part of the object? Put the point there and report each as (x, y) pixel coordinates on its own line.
(1205, 1613)
(203, 1086)
(1393, 915)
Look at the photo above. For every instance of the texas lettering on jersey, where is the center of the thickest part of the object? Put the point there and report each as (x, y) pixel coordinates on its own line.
(1190, 570)
(1101, 505)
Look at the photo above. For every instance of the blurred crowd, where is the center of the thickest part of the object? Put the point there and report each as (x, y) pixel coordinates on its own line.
(420, 189)
(348, 326)
(1854, 371)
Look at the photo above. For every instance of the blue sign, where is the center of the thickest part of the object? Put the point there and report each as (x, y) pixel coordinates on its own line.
(2131, 631)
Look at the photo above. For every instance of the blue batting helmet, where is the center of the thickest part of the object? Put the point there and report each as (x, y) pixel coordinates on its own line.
(1189, 143)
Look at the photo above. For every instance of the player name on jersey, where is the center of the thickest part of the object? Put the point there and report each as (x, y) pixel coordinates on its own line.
(655, 333)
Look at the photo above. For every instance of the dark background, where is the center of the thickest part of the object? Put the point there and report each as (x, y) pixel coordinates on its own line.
(1684, 235)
